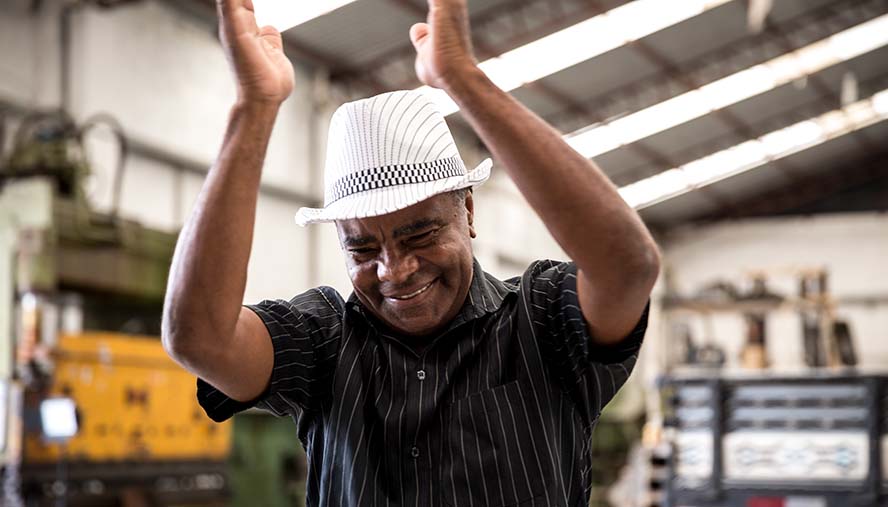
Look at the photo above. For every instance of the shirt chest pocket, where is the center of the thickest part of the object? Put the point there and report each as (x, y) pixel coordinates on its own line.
(491, 456)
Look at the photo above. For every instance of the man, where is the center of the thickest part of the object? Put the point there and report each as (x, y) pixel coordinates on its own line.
(435, 383)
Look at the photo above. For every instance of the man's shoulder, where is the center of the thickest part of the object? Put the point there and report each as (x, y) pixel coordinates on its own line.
(543, 268)
(540, 268)
(321, 301)
(541, 276)
(323, 297)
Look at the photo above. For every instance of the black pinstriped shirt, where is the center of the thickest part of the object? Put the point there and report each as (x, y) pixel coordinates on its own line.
(496, 411)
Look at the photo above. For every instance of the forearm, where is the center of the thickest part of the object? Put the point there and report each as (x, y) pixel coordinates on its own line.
(209, 269)
(577, 202)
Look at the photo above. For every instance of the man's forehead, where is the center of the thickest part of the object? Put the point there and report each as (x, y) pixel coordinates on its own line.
(365, 230)
(431, 212)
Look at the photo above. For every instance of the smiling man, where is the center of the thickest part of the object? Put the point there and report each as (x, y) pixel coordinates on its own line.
(435, 383)
(421, 292)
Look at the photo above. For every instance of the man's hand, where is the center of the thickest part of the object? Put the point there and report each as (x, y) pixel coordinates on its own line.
(443, 44)
(262, 70)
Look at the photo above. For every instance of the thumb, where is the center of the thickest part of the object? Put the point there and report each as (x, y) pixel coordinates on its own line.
(270, 35)
(418, 34)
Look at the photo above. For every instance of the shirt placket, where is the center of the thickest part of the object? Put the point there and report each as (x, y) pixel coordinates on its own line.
(416, 450)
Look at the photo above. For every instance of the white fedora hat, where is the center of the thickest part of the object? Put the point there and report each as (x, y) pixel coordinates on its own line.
(386, 153)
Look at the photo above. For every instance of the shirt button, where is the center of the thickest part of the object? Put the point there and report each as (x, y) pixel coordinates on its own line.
(420, 374)
(414, 452)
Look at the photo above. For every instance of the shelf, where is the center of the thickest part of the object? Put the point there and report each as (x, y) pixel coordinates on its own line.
(744, 306)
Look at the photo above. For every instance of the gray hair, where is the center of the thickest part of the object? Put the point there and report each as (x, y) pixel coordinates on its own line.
(460, 195)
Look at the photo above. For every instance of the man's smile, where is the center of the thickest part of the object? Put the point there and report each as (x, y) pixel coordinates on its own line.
(410, 295)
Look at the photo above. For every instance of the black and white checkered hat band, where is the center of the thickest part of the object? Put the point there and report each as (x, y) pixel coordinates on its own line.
(393, 175)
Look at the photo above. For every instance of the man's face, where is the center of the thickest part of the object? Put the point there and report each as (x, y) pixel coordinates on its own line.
(412, 268)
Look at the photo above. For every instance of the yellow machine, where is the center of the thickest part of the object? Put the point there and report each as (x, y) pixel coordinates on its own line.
(133, 404)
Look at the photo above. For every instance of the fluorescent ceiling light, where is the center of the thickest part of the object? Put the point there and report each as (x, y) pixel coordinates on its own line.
(285, 14)
(880, 103)
(595, 140)
(757, 152)
(580, 42)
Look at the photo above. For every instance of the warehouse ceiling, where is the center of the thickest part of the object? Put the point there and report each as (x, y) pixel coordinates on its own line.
(814, 131)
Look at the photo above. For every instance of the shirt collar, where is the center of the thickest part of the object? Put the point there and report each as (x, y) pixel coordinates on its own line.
(486, 295)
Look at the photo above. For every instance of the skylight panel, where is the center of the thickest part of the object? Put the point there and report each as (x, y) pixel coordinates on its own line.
(757, 152)
(285, 14)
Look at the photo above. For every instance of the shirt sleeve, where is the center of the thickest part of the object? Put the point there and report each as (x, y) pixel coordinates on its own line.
(305, 334)
(592, 374)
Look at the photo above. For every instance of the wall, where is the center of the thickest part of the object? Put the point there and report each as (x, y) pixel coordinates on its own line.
(510, 235)
(851, 247)
(26, 44)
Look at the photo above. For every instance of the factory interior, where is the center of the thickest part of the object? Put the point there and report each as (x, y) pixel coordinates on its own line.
(747, 134)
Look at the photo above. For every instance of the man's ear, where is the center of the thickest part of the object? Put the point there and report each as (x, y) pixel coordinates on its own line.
(470, 213)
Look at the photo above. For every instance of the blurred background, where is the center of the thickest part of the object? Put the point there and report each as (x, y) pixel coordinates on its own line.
(749, 134)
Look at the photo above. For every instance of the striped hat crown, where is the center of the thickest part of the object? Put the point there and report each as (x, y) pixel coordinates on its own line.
(386, 153)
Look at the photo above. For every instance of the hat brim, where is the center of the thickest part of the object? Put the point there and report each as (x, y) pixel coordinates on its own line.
(380, 201)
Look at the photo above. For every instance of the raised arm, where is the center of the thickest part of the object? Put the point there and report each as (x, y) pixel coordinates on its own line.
(617, 258)
(205, 328)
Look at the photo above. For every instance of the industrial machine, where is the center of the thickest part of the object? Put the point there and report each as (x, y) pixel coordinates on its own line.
(812, 440)
(92, 411)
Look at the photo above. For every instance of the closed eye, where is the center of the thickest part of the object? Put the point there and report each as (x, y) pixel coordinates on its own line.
(361, 251)
(425, 236)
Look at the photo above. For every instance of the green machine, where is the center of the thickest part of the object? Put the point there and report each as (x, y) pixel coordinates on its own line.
(267, 464)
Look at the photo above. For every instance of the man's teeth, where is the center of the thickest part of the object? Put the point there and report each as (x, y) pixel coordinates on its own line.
(413, 294)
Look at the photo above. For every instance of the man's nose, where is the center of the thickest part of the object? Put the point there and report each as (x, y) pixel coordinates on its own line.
(396, 268)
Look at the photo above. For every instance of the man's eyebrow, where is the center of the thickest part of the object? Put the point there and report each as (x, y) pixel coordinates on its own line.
(358, 241)
(413, 228)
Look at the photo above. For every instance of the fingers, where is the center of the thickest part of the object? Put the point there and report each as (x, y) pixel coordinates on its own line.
(230, 9)
(224, 8)
(236, 17)
(418, 34)
(437, 4)
(228, 6)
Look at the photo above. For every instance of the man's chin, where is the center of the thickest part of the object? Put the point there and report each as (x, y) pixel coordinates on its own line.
(416, 327)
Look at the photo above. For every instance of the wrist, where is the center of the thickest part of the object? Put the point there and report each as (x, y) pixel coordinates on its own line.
(249, 105)
(258, 109)
(460, 84)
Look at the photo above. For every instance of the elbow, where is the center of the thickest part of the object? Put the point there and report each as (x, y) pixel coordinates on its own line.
(189, 340)
(646, 268)
(174, 338)
(170, 325)
(654, 263)
(169, 337)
